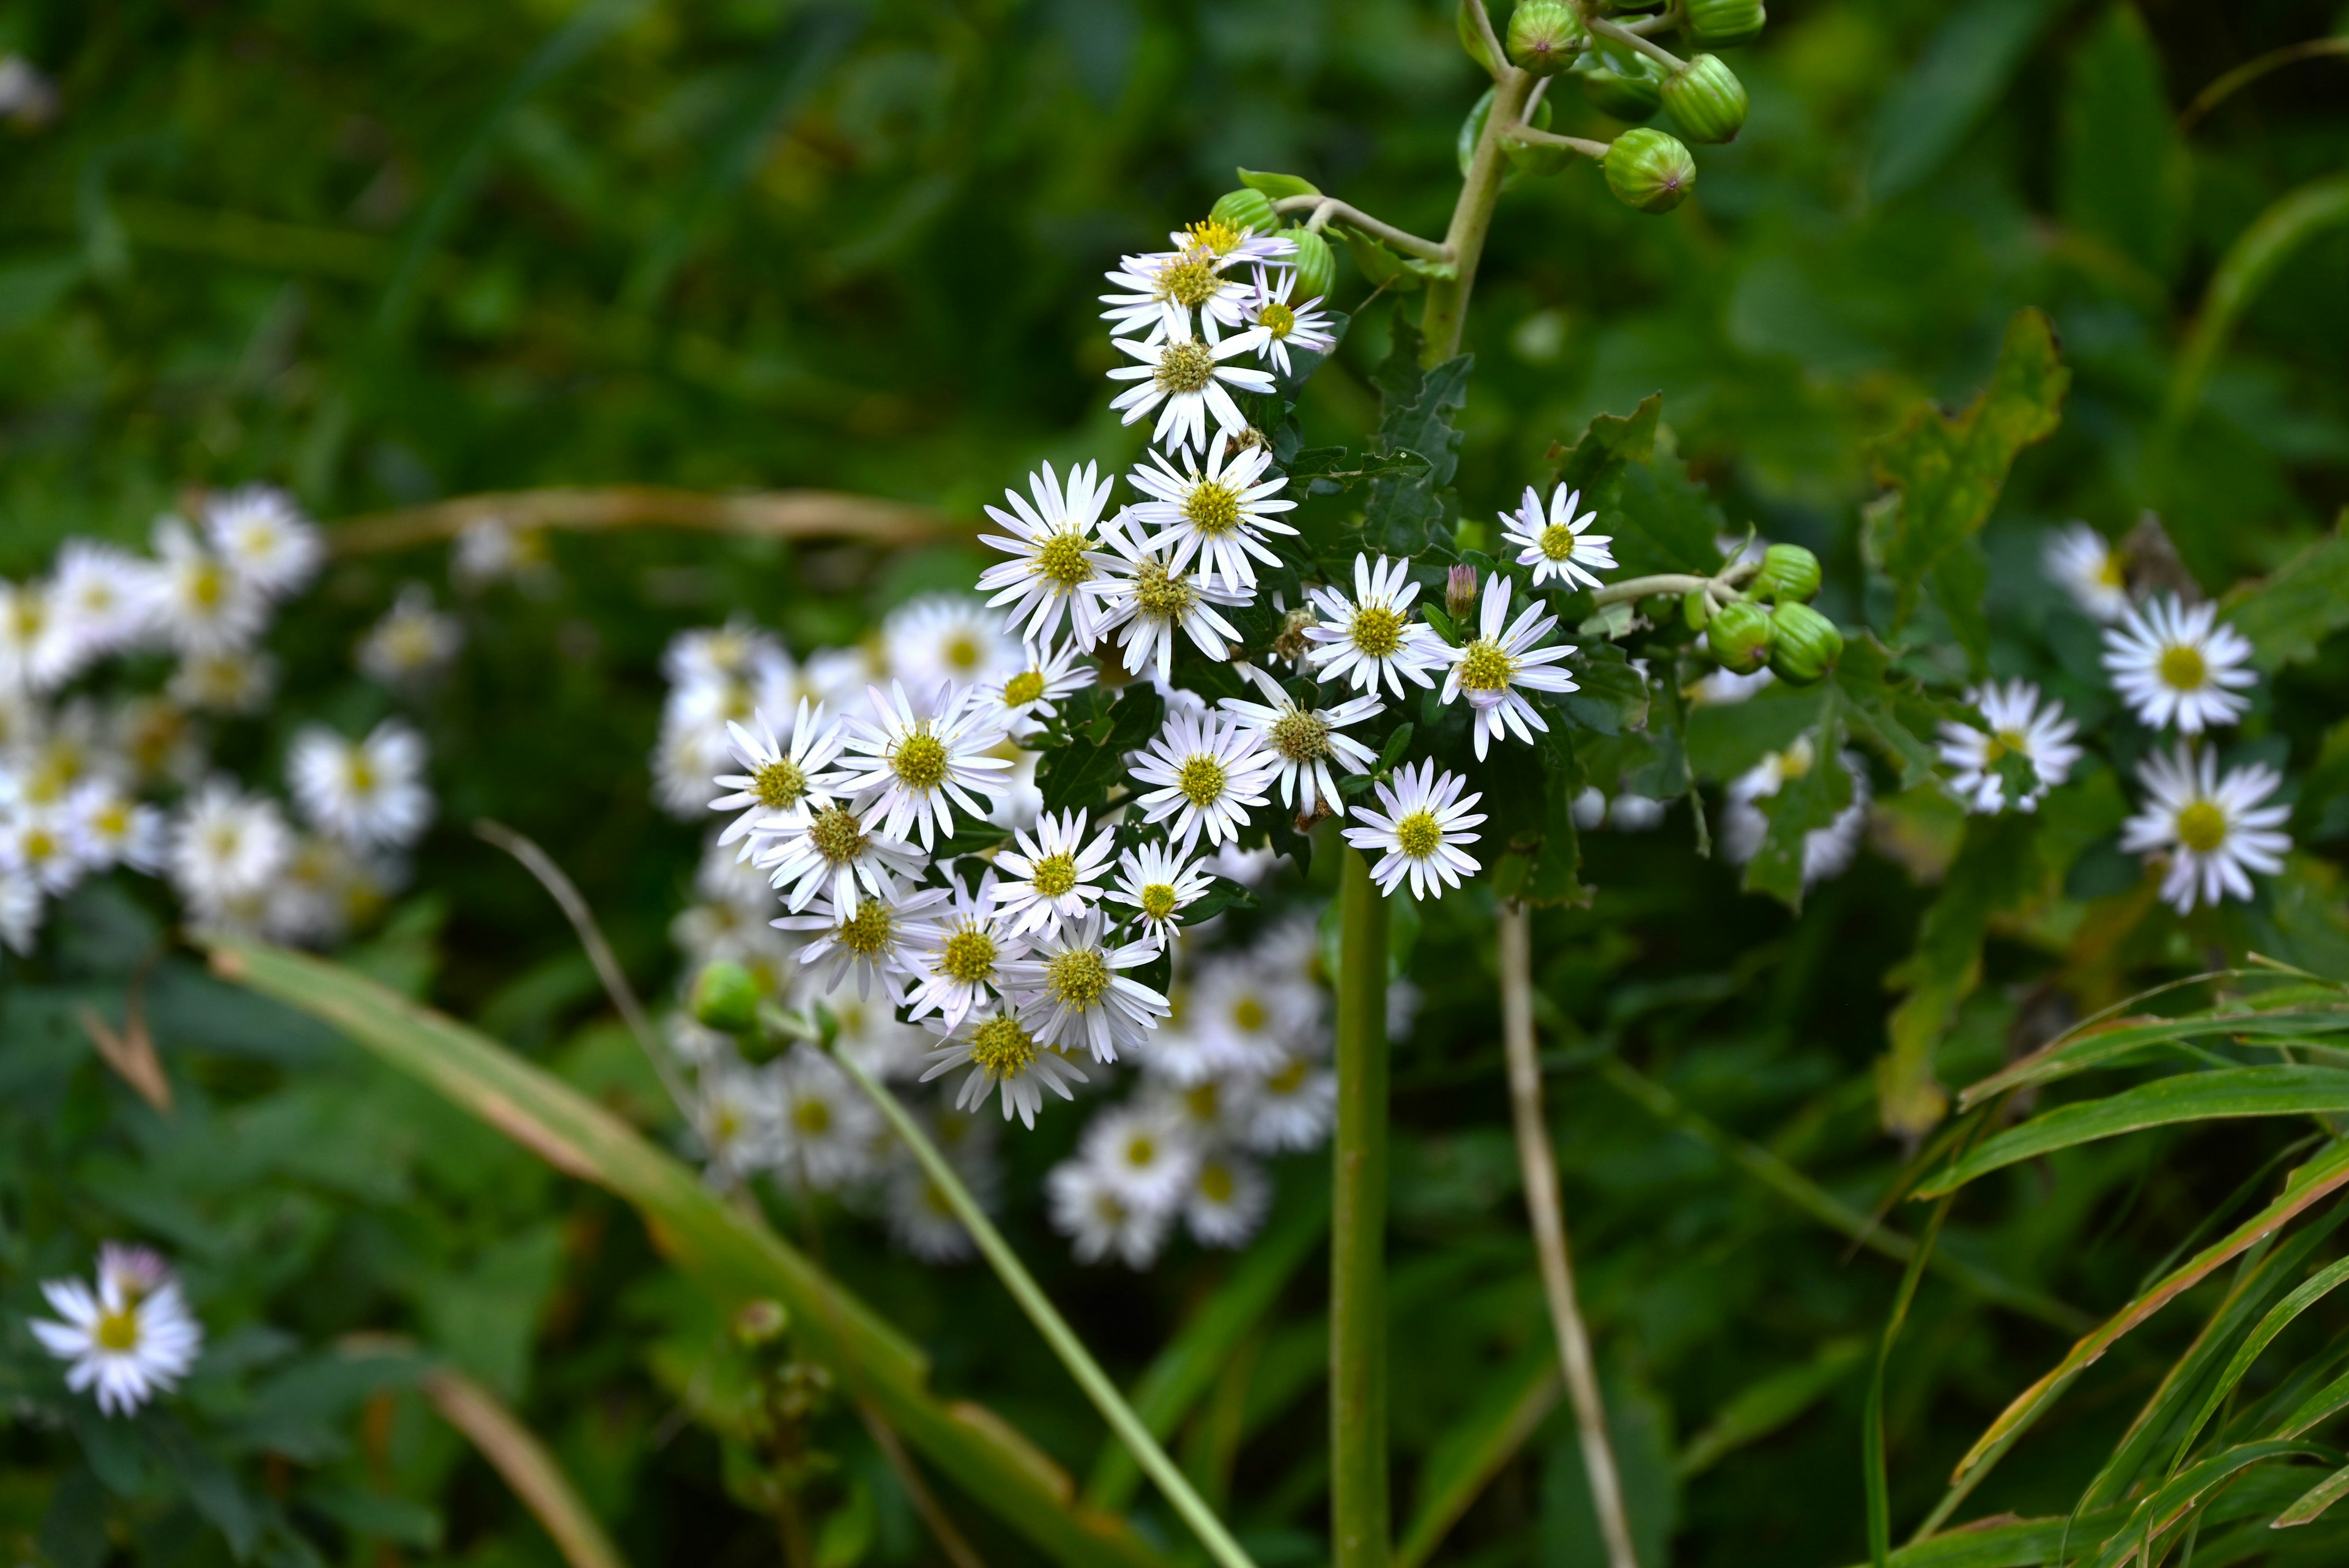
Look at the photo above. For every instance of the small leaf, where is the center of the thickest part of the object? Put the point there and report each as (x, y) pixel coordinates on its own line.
(1276, 186)
(1391, 752)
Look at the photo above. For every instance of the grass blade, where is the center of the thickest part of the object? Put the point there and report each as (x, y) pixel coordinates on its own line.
(2109, 1041)
(526, 1466)
(1879, 1482)
(1466, 1459)
(2314, 1500)
(1763, 1408)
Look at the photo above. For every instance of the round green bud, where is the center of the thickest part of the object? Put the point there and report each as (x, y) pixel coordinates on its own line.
(761, 1322)
(1626, 89)
(1719, 24)
(1739, 635)
(1650, 171)
(1695, 609)
(1545, 35)
(1247, 209)
(1317, 267)
(1806, 645)
(725, 997)
(1706, 99)
(1789, 575)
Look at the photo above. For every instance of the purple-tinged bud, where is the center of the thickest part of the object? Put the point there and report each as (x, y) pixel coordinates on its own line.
(1460, 593)
(1650, 171)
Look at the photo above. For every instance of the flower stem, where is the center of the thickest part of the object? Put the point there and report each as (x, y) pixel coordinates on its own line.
(1052, 1325)
(1359, 1517)
(1472, 220)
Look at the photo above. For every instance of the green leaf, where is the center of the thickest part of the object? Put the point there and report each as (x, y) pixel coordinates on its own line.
(1381, 268)
(2104, 1040)
(2316, 1501)
(1501, 1414)
(1080, 773)
(1803, 805)
(1276, 186)
(1763, 1408)
(2288, 614)
(1406, 511)
(1607, 443)
(2123, 172)
(1890, 712)
(2280, 1317)
(1965, 65)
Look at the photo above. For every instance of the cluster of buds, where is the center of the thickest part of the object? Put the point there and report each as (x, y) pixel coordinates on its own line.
(1744, 632)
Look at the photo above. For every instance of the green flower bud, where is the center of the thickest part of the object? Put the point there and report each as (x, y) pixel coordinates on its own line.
(1695, 608)
(725, 998)
(1806, 646)
(1719, 24)
(1629, 89)
(1739, 635)
(1249, 211)
(1545, 35)
(1650, 171)
(1789, 575)
(1317, 267)
(761, 1322)
(1706, 99)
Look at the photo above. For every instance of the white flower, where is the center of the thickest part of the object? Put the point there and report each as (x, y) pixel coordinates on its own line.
(262, 537)
(711, 658)
(1419, 834)
(871, 1034)
(1159, 291)
(869, 939)
(1288, 1109)
(2214, 830)
(490, 548)
(1226, 1200)
(1024, 699)
(30, 649)
(1086, 1208)
(1304, 741)
(1056, 563)
(1073, 993)
(737, 1113)
(1159, 882)
(1146, 1156)
(1494, 667)
(1251, 1017)
(1281, 325)
(1234, 245)
(2085, 565)
(20, 910)
(833, 854)
(130, 1344)
(223, 681)
(411, 643)
(956, 955)
(370, 793)
(837, 677)
(111, 829)
(827, 1128)
(1206, 772)
(1004, 1057)
(2016, 723)
(1152, 601)
(946, 637)
(1053, 876)
(1220, 514)
(920, 1218)
(1827, 851)
(1727, 688)
(2175, 663)
(903, 769)
(38, 843)
(1186, 379)
(781, 785)
(1373, 635)
(229, 849)
(1555, 545)
(99, 600)
(200, 605)
(326, 889)
(136, 1272)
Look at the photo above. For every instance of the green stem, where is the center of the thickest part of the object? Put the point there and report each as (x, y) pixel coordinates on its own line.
(1053, 1326)
(1359, 1511)
(1472, 220)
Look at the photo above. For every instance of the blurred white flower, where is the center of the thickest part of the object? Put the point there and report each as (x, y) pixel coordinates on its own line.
(1827, 851)
(2017, 725)
(1087, 1206)
(2174, 663)
(227, 850)
(370, 793)
(1226, 1200)
(2215, 831)
(412, 643)
(2085, 565)
(131, 1344)
(262, 537)
(948, 638)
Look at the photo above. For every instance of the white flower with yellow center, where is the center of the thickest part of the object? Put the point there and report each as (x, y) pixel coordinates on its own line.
(411, 643)
(826, 1128)
(1249, 1017)
(132, 1338)
(904, 768)
(833, 854)
(956, 956)
(223, 681)
(1220, 513)
(200, 605)
(736, 1115)
(1087, 1206)
(1282, 324)
(920, 1218)
(1555, 544)
(2175, 663)
(20, 910)
(1056, 565)
(1418, 832)
(37, 842)
(1145, 1154)
(110, 828)
(1158, 882)
(1004, 1059)
(1031, 694)
(870, 1032)
(1152, 601)
(1186, 381)
(326, 889)
(2014, 724)
(1173, 293)
(707, 660)
(1073, 993)
(1288, 1109)
(1496, 670)
(780, 785)
(1827, 851)
(99, 600)
(946, 637)
(1203, 773)
(2215, 831)
(1305, 739)
(1227, 1201)
(873, 940)
(2085, 565)
(228, 848)
(1052, 875)
(370, 793)
(1373, 635)
(263, 539)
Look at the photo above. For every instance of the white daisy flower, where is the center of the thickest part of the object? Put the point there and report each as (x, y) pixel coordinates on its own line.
(955, 957)
(1220, 514)
(1031, 694)
(903, 769)
(1827, 851)
(707, 659)
(1072, 992)
(110, 828)
(1204, 773)
(1053, 876)
(1727, 688)
(1186, 380)
(370, 793)
(1555, 545)
(2215, 831)
(228, 848)
(948, 638)
(1250, 1018)
(1151, 602)
(29, 647)
(412, 643)
(1419, 833)
(1373, 635)
(2176, 663)
(262, 537)
(1499, 667)
(1086, 1208)
(1283, 325)
(871, 940)
(1146, 1155)
(1287, 1110)
(1057, 563)
(780, 785)
(99, 600)
(230, 680)
(156, 739)
(1003, 1057)
(200, 605)
(38, 844)
(833, 854)
(827, 1128)
(1226, 1200)
(1305, 741)
(2016, 724)
(1159, 881)
(490, 549)
(2085, 565)
(326, 889)
(1173, 293)
(737, 1113)
(130, 1344)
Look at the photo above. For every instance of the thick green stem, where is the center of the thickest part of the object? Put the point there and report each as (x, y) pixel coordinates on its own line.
(1472, 220)
(1052, 1326)
(1359, 1513)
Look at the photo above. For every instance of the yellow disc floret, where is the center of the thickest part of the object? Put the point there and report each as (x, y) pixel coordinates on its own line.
(1485, 668)
(1077, 979)
(1376, 630)
(2182, 668)
(1202, 780)
(778, 786)
(1001, 1048)
(1418, 834)
(920, 760)
(2202, 827)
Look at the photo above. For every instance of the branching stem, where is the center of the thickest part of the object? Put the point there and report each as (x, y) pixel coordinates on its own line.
(1718, 589)
(1535, 137)
(1328, 209)
(1606, 28)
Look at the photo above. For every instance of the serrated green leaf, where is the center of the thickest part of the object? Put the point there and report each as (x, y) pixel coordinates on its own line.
(1889, 713)
(2290, 613)
(1381, 268)
(1407, 511)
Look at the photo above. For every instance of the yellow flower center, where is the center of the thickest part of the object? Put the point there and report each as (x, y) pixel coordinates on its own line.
(1418, 834)
(1249, 1014)
(2108, 572)
(1290, 1079)
(968, 956)
(1022, 689)
(1002, 1048)
(2182, 668)
(962, 651)
(361, 773)
(1214, 236)
(2202, 827)
(1558, 540)
(1189, 279)
(1078, 978)
(780, 785)
(117, 1331)
(1278, 320)
(1202, 780)
(1055, 875)
(1485, 668)
(1141, 1151)
(1061, 558)
(1301, 737)
(1215, 1184)
(1376, 630)
(38, 845)
(868, 931)
(1158, 900)
(725, 1126)
(920, 760)
(2005, 741)
(1201, 1101)
(1160, 595)
(814, 1116)
(1185, 367)
(1211, 508)
(836, 836)
(207, 585)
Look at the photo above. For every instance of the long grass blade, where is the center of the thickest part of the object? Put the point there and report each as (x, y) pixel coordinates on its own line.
(2095, 1045)
(1880, 1486)
(2314, 1500)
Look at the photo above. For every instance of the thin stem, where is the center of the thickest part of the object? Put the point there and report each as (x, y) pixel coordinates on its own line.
(1051, 1326)
(1639, 41)
(1326, 209)
(1547, 1210)
(1723, 582)
(2250, 71)
(1447, 313)
(1494, 51)
(1534, 136)
(1358, 1509)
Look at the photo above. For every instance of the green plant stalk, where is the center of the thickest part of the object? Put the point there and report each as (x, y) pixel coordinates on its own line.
(1358, 1509)
(1446, 312)
(1055, 1329)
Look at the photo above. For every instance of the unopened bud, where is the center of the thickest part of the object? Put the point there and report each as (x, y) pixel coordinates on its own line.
(1789, 575)
(1706, 99)
(1739, 635)
(1650, 171)
(1806, 644)
(1719, 24)
(1460, 592)
(1246, 210)
(1545, 35)
(1628, 87)
(761, 1322)
(1317, 268)
(725, 997)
